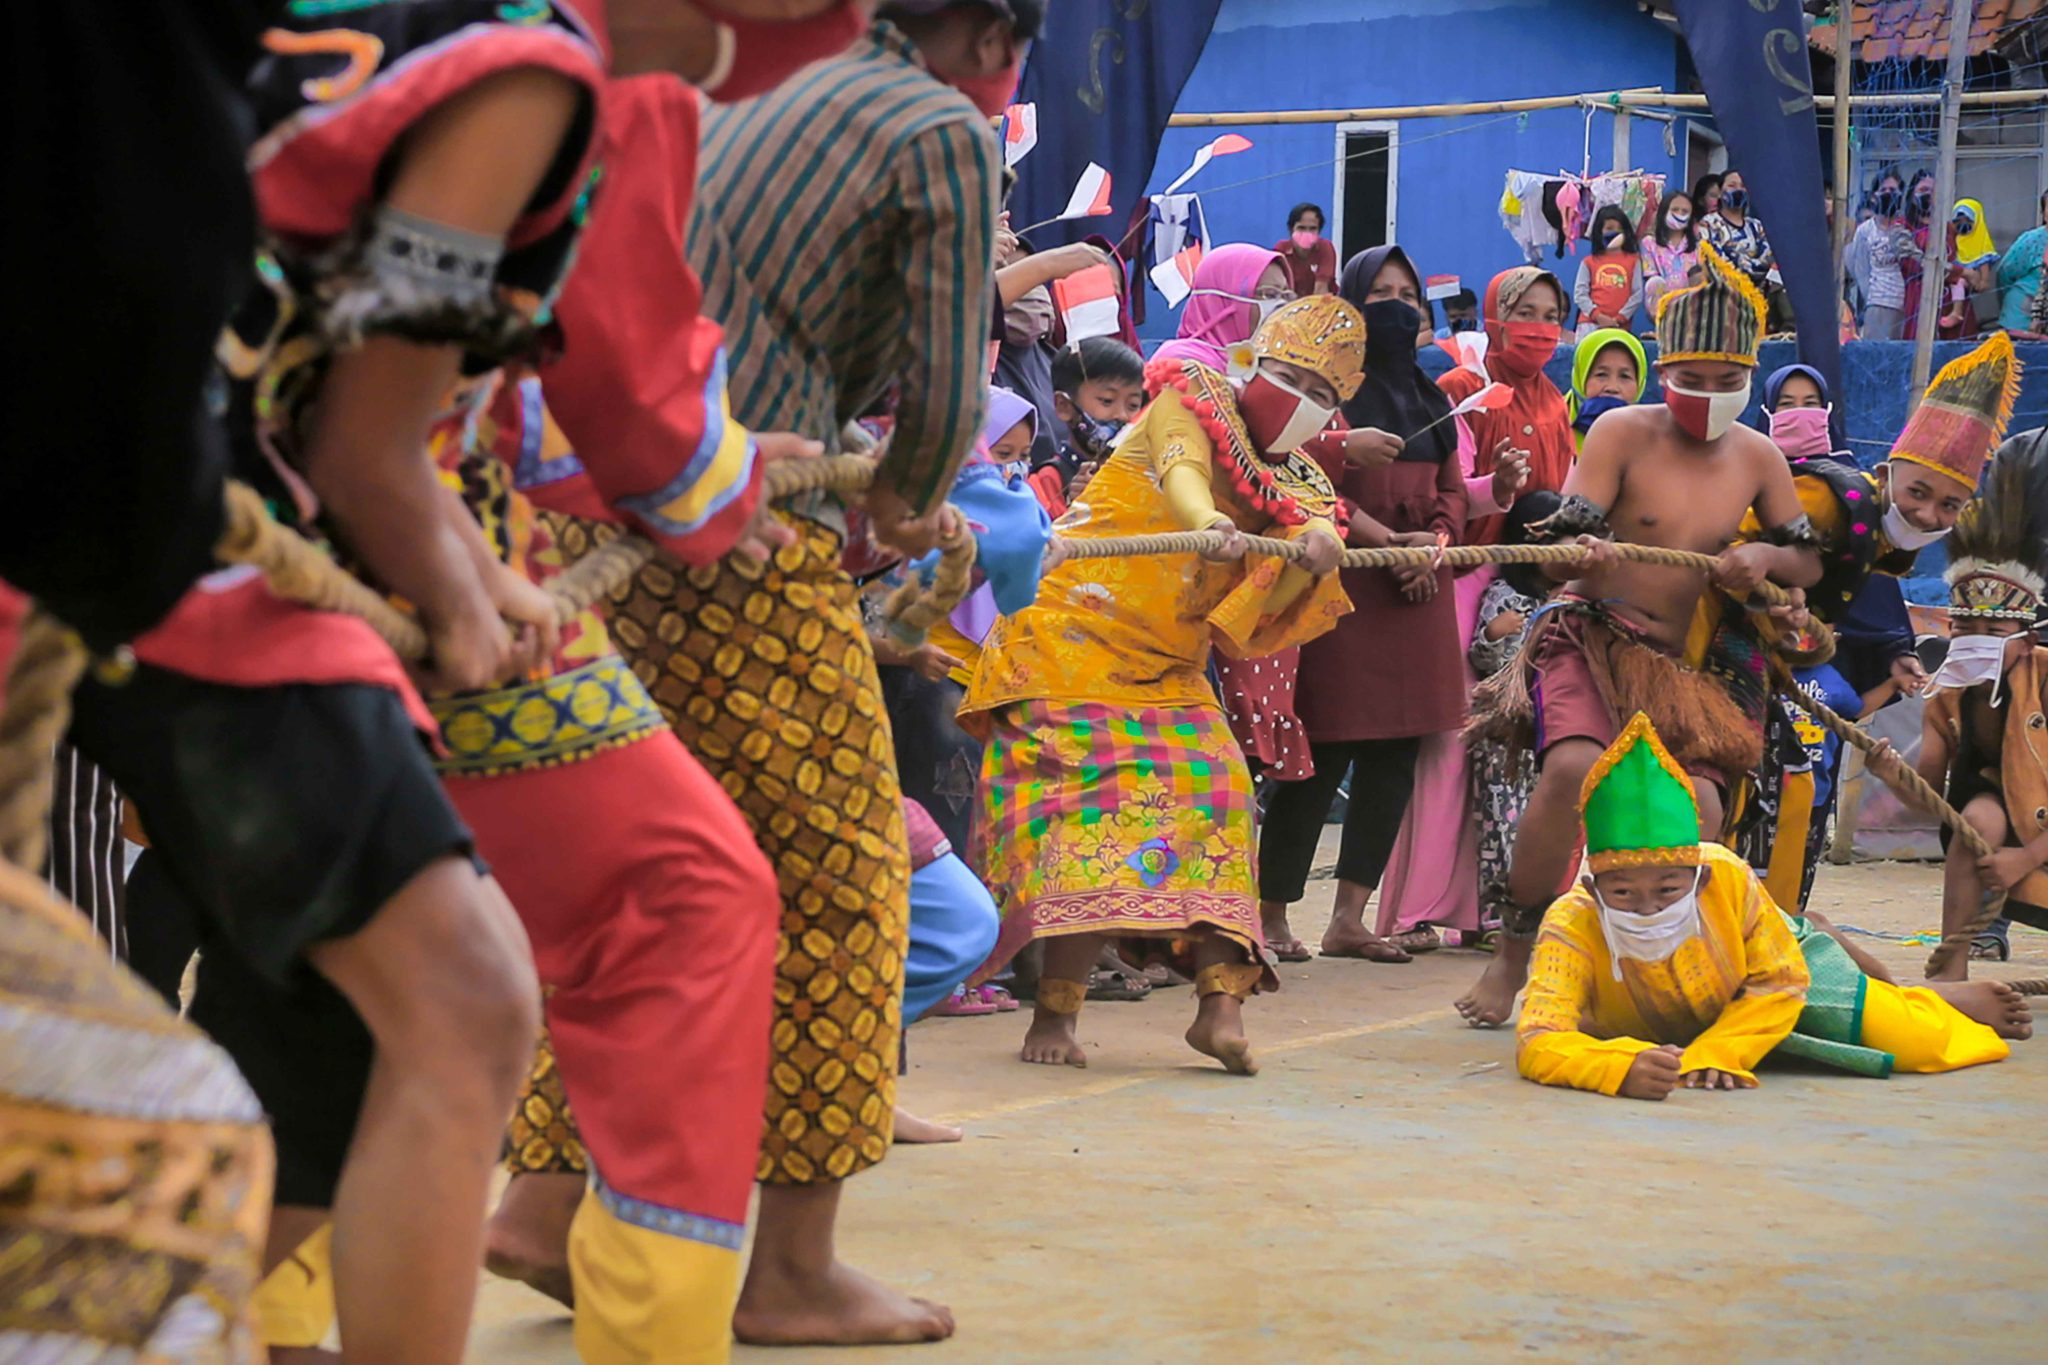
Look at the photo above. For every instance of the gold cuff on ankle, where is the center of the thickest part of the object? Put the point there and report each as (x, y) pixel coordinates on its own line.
(1235, 979)
(1061, 997)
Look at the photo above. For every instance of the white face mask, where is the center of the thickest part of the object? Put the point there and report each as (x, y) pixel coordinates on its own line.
(1310, 418)
(1974, 659)
(1897, 529)
(1266, 307)
(1652, 937)
(1721, 409)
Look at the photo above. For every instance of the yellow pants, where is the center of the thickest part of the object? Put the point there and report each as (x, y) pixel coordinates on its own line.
(1925, 1033)
(642, 1296)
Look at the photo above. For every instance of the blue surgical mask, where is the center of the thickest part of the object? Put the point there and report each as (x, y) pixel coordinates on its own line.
(1593, 407)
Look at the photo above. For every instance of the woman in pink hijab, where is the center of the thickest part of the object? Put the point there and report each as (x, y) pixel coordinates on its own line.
(1235, 287)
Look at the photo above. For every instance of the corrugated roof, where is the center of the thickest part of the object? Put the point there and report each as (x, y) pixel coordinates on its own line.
(1888, 29)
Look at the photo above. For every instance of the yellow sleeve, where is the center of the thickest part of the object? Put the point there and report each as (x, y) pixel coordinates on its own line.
(1277, 605)
(1189, 498)
(1773, 988)
(1551, 1046)
(1816, 499)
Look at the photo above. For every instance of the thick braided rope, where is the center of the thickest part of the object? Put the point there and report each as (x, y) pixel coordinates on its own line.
(299, 570)
(40, 677)
(1454, 557)
(1929, 799)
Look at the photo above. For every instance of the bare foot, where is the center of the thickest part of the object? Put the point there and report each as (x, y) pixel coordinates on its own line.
(1491, 1001)
(527, 1239)
(1994, 1004)
(912, 1129)
(840, 1308)
(1050, 1040)
(1218, 1031)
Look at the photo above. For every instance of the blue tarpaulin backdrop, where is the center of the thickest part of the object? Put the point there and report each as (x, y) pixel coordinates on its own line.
(1752, 62)
(1105, 77)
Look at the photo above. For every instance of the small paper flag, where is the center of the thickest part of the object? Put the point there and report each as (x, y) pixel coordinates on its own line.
(1091, 195)
(1174, 278)
(1222, 146)
(1087, 300)
(1020, 132)
(1494, 395)
(1441, 287)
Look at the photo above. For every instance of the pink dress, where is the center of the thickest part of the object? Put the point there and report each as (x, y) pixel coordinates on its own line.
(1433, 875)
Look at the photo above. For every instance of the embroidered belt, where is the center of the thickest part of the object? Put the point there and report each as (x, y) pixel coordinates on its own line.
(561, 719)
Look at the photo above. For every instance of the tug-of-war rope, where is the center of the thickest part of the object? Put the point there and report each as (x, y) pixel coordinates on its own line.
(50, 658)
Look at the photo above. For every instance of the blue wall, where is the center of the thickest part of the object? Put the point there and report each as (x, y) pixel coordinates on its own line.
(1313, 54)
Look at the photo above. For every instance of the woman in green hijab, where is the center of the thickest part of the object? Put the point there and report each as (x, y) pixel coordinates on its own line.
(1608, 371)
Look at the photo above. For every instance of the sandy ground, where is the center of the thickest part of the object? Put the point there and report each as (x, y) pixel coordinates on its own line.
(1388, 1189)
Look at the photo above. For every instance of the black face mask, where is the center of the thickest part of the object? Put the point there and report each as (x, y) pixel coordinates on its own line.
(1464, 324)
(1888, 202)
(1735, 199)
(1391, 325)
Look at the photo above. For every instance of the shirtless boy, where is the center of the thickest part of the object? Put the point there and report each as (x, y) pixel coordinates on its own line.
(1626, 636)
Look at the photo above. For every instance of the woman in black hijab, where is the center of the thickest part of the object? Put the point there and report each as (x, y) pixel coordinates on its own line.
(1392, 671)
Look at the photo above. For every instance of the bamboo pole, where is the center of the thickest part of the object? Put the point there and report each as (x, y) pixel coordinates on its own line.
(1934, 266)
(1623, 99)
(1845, 61)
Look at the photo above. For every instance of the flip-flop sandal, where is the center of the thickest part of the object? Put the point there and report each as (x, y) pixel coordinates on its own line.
(1290, 950)
(1378, 951)
(1487, 942)
(1425, 940)
(997, 996)
(1113, 985)
(961, 1003)
(1990, 948)
(1161, 976)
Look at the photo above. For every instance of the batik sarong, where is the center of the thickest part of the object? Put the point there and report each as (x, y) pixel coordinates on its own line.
(1117, 820)
(766, 673)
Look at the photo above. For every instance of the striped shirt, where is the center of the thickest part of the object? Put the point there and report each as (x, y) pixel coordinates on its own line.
(845, 232)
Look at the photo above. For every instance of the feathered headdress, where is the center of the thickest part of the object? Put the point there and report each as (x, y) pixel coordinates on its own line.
(1998, 553)
(1963, 413)
(1720, 318)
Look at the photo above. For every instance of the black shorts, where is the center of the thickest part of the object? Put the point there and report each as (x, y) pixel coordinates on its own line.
(278, 817)
(1965, 784)
(285, 815)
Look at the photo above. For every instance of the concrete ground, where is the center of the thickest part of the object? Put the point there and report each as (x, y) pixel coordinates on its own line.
(1388, 1189)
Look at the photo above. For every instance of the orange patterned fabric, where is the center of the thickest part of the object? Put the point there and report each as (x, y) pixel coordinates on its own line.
(767, 675)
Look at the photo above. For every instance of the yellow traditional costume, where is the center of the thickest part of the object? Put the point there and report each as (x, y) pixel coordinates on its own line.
(1748, 981)
(1115, 799)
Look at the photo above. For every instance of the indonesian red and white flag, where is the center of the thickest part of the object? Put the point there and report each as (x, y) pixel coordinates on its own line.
(1091, 195)
(1222, 146)
(1020, 132)
(1087, 300)
(1174, 277)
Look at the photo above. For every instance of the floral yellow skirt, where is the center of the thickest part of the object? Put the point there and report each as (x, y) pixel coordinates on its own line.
(1117, 820)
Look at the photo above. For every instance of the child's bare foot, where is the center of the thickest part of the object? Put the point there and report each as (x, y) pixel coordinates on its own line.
(1218, 1031)
(842, 1307)
(1994, 1004)
(1050, 1040)
(912, 1129)
(1491, 1001)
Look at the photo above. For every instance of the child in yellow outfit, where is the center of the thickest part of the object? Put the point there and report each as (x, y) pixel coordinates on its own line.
(1669, 965)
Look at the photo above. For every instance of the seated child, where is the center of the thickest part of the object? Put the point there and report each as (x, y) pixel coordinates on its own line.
(1098, 387)
(1669, 966)
(1609, 371)
(1985, 742)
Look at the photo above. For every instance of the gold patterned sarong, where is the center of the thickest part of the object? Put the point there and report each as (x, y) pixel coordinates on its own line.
(135, 1159)
(767, 675)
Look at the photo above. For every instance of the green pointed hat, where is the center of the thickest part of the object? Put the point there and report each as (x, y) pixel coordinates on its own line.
(1638, 805)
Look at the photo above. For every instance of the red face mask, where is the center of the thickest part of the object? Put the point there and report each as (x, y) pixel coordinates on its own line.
(1279, 417)
(1524, 348)
(756, 55)
(991, 94)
